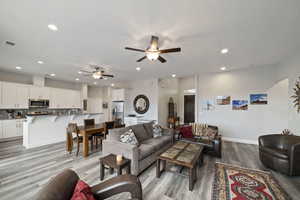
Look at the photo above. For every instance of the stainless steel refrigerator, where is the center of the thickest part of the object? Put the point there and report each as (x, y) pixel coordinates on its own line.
(118, 111)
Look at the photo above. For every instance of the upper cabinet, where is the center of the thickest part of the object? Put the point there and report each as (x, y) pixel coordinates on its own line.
(36, 92)
(62, 98)
(118, 95)
(14, 95)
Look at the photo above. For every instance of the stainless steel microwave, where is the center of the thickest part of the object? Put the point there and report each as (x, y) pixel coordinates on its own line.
(38, 103)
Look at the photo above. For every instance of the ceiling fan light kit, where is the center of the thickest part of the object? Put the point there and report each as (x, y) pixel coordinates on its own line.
(97, 73)
(153, 52)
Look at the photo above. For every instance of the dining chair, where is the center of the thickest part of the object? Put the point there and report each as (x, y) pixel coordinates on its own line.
(73, 135)
(109, 125)
(96, 136)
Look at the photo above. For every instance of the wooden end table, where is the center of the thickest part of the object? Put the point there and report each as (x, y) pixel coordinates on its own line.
(183, 154)
(111, 161)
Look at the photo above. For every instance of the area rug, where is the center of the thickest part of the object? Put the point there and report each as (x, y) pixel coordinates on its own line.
(236, 183)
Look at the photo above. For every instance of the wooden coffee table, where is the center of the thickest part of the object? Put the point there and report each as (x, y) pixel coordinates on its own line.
(111, 161)
(183, 154)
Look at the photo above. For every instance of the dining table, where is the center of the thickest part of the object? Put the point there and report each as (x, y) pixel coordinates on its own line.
(86, 131)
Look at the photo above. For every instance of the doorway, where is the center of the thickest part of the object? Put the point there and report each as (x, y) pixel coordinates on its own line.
(189, 109)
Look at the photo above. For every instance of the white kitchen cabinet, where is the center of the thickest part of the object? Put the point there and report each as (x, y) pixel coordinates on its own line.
(0, 94)
(36, 92)
(118, 95)
(9, 128)
(14, 95)
(62, 98)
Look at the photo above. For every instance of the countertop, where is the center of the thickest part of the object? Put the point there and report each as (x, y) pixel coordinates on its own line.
(36, 115)
(2, 119)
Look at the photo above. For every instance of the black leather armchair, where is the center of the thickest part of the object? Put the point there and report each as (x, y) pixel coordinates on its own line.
(281, 153)
(62, 187)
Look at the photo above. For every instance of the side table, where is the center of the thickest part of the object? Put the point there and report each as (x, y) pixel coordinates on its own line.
(111, 161)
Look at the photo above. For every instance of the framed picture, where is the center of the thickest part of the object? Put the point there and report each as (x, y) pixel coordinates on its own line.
(239, 105)
(258, 99)
(208, 105)
(223, 100)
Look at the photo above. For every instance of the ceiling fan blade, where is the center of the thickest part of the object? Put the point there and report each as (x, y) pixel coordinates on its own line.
(161, 59)
(134, 49)
(170, 50)
(108, 75)
(139, 60)
(154, 42)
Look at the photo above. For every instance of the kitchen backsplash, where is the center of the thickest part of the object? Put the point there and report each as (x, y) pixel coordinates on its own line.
(21, 113)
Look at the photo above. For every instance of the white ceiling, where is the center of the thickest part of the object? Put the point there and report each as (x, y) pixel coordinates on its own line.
(256, 32)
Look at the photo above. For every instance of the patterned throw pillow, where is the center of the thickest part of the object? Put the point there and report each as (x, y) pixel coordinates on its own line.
(211, 133)
(129, 138)
(157, 131)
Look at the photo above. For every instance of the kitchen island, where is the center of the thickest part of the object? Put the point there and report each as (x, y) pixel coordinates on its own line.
(43, 130)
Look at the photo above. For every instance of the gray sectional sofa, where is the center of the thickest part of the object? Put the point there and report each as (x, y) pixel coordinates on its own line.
(144, 154)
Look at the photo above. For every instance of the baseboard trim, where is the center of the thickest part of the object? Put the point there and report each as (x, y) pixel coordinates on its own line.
(11, 139)
(239, 140)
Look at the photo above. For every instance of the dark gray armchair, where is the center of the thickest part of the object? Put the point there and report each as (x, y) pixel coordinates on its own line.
(62, 187)
(281, 153)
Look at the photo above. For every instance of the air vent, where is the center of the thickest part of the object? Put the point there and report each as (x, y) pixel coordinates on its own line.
(10, 43)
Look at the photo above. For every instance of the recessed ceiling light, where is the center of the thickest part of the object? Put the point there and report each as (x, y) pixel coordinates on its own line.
(52, 27)
(112, 85)
(79, 72)
(40, 62)
(95, 83)
(224, 51)
(77, 79)
(52, 74)
(223, 68)
(138, 68)
(173, 75)
(18, 67)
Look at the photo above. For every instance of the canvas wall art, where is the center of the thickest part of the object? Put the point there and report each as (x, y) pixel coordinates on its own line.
(239, 105)
(223, 100)
(208, 105)
(258, 99)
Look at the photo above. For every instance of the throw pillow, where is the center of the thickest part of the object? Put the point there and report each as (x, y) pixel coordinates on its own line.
(157, 131)
(186, 132)
(211, 133)
(82, 192)
(129, 138)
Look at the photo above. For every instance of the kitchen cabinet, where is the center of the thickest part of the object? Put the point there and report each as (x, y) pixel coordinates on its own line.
(36, 92)
(62, 98)
(118, 95)
(14, 95)
(12, 128)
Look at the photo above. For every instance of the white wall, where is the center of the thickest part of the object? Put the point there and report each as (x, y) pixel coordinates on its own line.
(245, 126)
(145, 87)
(168, 87)
(291, 69)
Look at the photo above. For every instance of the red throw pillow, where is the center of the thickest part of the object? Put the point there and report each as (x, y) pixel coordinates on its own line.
(186, 132)
(82, 192)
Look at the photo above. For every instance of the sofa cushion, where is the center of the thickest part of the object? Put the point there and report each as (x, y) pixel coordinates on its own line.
(149, 128)
(152, 145)
(82, 192)
(279, 153)
(146, 150)
(140, 132)
(114, 134)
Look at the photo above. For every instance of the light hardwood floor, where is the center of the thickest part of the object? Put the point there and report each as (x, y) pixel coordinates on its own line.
(24, 172)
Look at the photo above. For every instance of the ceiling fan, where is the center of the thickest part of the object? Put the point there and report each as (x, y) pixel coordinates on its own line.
(97, 73)
(153, 52)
